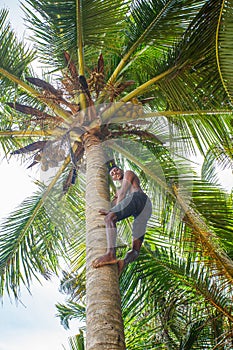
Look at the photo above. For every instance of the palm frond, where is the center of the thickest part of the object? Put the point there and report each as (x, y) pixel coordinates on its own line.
(224, 47)
(216, 207)
(30, 245)
(15, 57)
(70, 311)
(148, 21)
(218, 158)
(192, 62)
(155, 302)
(196, 59)
(56, 23)
(77, 342)
(25, 235)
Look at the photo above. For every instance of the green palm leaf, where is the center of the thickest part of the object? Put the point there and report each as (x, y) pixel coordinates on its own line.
(77, 342)
(56, 26)
(149, 23)
(70, 311)
(145, 297)
(193, 67)
(149, 20)
(15, 57)
(30, 244)
(224, 46)
(217, 158)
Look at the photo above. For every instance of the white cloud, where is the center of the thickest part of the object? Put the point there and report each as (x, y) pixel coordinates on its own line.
(35, 325)
(35, 340)
(16, 184)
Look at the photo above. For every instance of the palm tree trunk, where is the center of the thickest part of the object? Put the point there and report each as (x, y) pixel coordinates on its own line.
(105, 328)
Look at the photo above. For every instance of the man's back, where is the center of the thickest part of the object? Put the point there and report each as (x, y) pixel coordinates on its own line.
(131, 182)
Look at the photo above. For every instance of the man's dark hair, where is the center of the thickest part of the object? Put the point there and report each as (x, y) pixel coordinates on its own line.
(111, 164)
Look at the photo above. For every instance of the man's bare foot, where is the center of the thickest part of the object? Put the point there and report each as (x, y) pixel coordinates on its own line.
(120, 265)
(104, 260)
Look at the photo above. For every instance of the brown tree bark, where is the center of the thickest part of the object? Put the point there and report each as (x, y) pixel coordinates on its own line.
(105, 328)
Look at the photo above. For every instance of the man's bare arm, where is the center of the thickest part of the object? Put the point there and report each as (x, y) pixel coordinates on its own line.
(114, 200)
(113, 203)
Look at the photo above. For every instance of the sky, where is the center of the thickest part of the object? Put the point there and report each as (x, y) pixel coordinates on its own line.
(31, 324)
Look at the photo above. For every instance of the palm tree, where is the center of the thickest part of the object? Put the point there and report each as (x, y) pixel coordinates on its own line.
(131, 79)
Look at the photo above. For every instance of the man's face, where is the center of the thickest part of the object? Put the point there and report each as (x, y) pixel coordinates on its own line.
(116, 174)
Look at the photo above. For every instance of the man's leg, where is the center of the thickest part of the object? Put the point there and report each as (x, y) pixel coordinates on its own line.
(139, 229)
(111, 233)
(131, 256)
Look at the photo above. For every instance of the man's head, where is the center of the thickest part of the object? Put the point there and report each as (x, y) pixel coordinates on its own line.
(116, 173)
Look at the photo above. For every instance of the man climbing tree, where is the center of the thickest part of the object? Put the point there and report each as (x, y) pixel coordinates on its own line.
(129, 200)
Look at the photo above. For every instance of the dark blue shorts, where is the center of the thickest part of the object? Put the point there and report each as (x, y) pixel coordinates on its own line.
(138, 205)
